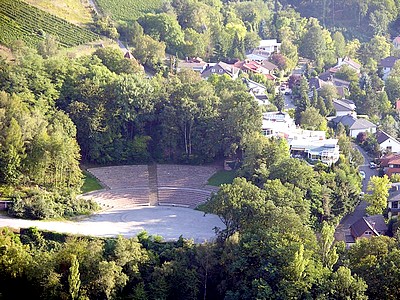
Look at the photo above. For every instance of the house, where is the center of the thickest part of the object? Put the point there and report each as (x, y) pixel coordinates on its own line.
(251, 66)
(396, 42)
(394, 200)
(367, 227)
(387, 143)
(348, 62)
(387, 65)
(342, 86)
(324, 150)
(267, 47)
(317, 83)
(220, 68)
(195, 64)
(258, 91)
(269, 66)
(390, 163)
(344, 107)
(277, 124)
(354, 125)
(303, 143)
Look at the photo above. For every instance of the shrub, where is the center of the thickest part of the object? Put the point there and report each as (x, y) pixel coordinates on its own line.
(40, 204)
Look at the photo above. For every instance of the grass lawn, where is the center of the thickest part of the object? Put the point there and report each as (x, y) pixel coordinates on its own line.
(90, 183)
(221, 177)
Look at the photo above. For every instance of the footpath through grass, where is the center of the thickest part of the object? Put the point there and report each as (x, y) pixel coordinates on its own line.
(222, 177)
(90, 183)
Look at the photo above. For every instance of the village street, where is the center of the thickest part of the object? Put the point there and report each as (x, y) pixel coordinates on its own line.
(343, 228)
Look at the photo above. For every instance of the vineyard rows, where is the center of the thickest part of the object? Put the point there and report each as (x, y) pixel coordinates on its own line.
(21, 21)
(128, 9)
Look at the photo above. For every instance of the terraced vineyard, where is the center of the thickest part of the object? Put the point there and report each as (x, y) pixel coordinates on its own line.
(128, 9)
(21, 21)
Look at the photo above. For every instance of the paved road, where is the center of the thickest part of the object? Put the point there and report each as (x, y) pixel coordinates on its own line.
(348, 220)
(168, 222)
(288, 102)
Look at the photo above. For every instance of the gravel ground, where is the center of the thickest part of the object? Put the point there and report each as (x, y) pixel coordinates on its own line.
(168, 222)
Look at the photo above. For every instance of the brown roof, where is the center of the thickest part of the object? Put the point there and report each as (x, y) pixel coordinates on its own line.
(375, 223)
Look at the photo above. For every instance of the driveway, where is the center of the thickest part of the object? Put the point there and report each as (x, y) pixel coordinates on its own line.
(344, 226)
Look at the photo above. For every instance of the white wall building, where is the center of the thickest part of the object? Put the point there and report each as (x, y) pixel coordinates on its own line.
(387, 143)
(267, 47)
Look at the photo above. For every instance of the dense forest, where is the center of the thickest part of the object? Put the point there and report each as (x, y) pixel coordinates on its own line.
(58, 112)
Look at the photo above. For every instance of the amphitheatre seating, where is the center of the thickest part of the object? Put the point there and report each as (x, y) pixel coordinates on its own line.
(185, 197)
(184, 175)
(115, 177)
(120, 197)
(178, 185)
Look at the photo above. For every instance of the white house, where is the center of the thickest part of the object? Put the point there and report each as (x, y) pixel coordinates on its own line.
(220, 68)
(344, 107)
(355, 125)
(277, 124)
(310, 144)
(387, 65)
(326, 151)
(258, 91)
(387, 143)
(267, 47)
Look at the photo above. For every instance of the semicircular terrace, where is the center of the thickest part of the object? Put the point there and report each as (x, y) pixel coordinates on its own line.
(142, 185)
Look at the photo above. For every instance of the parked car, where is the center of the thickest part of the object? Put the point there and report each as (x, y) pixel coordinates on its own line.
(372, 165)
(362, 174)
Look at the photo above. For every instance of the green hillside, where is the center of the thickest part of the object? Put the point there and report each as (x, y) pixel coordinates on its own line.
(128, 9)
(21, 21)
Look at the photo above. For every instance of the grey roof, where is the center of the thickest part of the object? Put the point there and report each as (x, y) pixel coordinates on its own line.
(381, 136)
(374, 223)
(269, 65)
(339, 82)
(343, 105)
(227, 69)
(325, 76)
(353, 123)
(388, 62)
(316, 82)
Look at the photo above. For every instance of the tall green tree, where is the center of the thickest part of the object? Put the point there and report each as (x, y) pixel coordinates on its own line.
(379, 186)
(74, 281)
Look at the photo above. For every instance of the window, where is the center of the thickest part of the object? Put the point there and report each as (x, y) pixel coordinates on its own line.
(368, 233)
(220, 70)
(212, 70)
(389, 148)
(395, 204)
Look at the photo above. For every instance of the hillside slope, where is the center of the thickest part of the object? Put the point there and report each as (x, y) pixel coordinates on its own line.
(74, 11)
(128, 9)
(21, 21)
